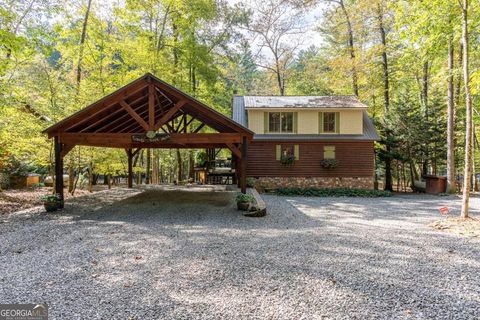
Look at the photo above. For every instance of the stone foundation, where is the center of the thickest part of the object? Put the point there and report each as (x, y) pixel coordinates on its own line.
(315, 182)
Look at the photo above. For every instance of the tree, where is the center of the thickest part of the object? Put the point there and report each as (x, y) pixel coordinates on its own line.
(469, 114)
(277, 24)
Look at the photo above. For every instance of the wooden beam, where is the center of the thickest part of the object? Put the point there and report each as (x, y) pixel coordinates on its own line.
(166, 117)
(66, 148)
(97, 107)
(151, 107)
(134, 115)
(243, 166)
(235, 150)
(199, 127)
(124, 140)
(59, 170)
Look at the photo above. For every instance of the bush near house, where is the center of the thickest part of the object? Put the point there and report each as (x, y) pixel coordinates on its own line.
(335, 192)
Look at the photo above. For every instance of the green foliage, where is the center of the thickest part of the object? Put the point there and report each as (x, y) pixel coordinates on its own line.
(245, 198)
(251, 182)
(329, 163)
(38, 185)
(53, 198)
(334, 192)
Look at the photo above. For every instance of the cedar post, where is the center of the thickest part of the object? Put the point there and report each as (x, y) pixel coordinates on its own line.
(243, 166)
(130, 176)
(59, 170)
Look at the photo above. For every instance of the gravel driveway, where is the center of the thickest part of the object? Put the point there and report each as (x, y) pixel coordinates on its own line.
(153, 254)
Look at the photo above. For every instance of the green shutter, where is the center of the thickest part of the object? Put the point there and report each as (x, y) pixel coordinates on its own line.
(296, 151)
(278, 152)
(337, 122)
(295, 122)
(320, 122)
(265, 122)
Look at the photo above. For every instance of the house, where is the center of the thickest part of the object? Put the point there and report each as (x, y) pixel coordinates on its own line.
(308, 141)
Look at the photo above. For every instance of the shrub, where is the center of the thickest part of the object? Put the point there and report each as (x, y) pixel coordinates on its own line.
(245, 198)
(38, 185)
(287, 160)
(50, 198)
(329, 163)
(251, 182)
(334, 192)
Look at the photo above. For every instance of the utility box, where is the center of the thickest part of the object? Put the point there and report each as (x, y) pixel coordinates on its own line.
(435, 184)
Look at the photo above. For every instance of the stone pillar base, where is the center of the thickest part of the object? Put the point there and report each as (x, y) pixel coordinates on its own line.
(315, 182)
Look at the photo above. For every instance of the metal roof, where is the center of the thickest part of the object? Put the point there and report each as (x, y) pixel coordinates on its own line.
(302, 102)
(239, 115)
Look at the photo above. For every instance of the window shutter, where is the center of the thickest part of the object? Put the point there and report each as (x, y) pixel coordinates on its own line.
(337, 122)
(320, 122)
(296, 151)
(278, 152)
(265, 122)
(295, 122)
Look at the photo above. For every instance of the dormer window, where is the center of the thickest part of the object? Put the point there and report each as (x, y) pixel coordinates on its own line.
(280, 122)
(329, 122)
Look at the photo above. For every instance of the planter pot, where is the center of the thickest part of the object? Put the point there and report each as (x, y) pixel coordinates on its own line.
(243, 206)
(51, 206)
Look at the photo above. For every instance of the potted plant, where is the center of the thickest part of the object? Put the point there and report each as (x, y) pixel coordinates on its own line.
(51, 202)
(287, 160)
(244, 201)
(329, 163)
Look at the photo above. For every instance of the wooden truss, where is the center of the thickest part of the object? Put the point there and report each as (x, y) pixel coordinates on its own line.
(149, 106)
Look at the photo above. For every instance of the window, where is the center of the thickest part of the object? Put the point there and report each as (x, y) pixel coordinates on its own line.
(328, 152)
(280, 122)
(329, 122)
(284, 150)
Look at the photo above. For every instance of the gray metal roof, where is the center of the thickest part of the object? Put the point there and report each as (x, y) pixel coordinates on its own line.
(239, 115)
(302, 102)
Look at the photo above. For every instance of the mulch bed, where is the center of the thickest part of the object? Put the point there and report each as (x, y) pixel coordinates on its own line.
(469, 227)
(16, 200)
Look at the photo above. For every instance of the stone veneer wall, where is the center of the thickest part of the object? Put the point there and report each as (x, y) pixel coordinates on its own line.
(317, 182)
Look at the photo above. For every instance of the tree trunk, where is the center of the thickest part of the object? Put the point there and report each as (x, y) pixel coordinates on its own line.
(451, 186)
(81, 45)
(386, 96)
(179, 162)
(425, 106)
(71, 176)
(351, 48)
(147, 166)
(90, 176)
(468, 111)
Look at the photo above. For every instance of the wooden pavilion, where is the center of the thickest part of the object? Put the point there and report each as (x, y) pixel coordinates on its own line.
(149, 113)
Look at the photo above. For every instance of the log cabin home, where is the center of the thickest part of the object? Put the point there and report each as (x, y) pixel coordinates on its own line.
(308, 141)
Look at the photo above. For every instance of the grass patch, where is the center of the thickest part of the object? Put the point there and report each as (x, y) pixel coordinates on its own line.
(335, 192)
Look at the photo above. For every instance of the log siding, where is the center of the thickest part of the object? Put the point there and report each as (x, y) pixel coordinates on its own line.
(355, 159)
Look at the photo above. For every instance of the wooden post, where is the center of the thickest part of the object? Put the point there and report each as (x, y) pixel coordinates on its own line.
(59, 170)
(130, 176)
(243, 166)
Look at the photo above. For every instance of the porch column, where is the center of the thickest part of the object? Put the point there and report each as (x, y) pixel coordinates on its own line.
(243, 166)
(130, 176)
(59, 170)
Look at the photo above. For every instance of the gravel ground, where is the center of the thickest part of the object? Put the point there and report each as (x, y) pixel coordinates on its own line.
(153, 254)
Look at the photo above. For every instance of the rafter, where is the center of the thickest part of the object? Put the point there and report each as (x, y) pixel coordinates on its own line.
(170, 114)
(151, 107)
(199, 127)
(134, 115)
